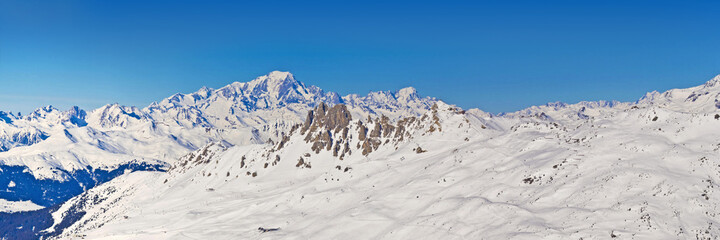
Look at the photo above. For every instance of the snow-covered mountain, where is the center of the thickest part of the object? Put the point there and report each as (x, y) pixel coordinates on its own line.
(55, 147)
(273, 158)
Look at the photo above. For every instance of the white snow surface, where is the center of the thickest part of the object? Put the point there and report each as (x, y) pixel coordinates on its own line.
(18, 206)
(241, 113)
(593, 170)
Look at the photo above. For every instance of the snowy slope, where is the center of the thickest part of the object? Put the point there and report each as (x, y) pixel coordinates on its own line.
(593, 170)
(240, 113)
(53, 145)
(10, 206)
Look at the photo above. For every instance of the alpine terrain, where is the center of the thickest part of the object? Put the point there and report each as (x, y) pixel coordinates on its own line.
(274, 158)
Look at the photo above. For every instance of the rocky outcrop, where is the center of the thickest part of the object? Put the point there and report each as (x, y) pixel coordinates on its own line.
(383, 132)
(201, 156)
(330, 128)
(327, 126)
(334, 118)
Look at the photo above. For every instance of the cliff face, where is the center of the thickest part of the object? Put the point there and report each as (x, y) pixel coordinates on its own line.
(327, 127)
(332, 129)
(334, 118)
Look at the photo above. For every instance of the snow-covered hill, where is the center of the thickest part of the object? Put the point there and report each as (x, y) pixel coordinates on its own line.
(426, 169)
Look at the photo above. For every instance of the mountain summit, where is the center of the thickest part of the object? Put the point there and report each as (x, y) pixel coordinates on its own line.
(249, 103)
(276, 89)
(714, 82)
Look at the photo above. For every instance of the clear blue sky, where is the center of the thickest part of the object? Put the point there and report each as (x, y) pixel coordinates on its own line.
(496, 55)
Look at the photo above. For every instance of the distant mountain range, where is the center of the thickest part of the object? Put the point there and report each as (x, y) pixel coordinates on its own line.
(274, 158)
(239, 113)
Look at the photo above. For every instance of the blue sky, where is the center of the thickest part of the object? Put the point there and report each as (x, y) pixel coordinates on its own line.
(495, 55)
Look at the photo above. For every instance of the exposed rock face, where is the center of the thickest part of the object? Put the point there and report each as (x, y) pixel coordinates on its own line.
(335, 119)
(331, 129)
(400, 132)
(362, 131)
(435, 119)
(383, 130)
(29, 137)
(6, 117)
(323, 123)
(75, 116)
(201, 156)
(24, 137)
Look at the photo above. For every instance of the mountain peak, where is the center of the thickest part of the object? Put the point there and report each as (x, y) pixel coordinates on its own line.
(277, 85)
(48, 108)
(204, 89)
(280, 75)
(406, 94)
(6, 117)
(714, 82)
(203, 92)
(76, 116)
(274, 80)
(41, 112)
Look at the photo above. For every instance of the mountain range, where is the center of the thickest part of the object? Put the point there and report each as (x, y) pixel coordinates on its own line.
(274, 158)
